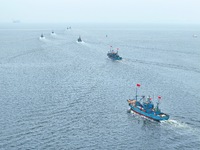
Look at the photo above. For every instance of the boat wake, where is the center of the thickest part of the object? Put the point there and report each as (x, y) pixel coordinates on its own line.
(182, 128)
(42, 38)
(84, 43)
(53, 34)
(175, 123)
(80, 42)
(166, 65)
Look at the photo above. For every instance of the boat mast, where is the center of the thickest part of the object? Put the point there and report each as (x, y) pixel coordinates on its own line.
(157, 107)
(159, 98)
(110, 48)
(138, 85)
(117, 50)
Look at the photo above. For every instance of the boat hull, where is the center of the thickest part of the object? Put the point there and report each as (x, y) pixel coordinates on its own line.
(114, 57)
(153, 116)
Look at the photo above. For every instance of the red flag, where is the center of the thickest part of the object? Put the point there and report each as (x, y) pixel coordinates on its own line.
(138, 85)
(159, 97)
(150, 98)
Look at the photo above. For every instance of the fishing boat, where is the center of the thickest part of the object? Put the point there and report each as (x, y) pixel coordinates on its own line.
(52, 32)
(145, 107)
(79, 39)
(42, 36)
(113, 54)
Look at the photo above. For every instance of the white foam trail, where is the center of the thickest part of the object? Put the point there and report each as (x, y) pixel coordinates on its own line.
(80, 42)
(84, 43)
(182, 128)
(42, 38)
(53, 34)
(175, 123)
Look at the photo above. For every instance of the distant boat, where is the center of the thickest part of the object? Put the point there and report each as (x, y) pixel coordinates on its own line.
(16, 21)
(195, 36)
(52, 33)
(42, 36)
(114, 54)
(79, 39)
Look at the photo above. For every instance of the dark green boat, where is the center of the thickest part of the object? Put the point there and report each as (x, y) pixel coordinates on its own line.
(114, 55)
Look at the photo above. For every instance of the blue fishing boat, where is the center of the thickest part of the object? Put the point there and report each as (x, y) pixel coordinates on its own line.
(145, 107)
(113, 54)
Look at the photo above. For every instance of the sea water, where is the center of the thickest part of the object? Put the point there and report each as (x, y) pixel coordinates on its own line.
(56, 93)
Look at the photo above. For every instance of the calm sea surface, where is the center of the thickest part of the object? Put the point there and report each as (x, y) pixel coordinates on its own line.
(56, 93)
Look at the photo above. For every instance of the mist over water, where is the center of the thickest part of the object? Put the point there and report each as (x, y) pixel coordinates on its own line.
(56, 93)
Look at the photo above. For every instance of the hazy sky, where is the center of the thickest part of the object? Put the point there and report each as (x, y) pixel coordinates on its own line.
(104, 11)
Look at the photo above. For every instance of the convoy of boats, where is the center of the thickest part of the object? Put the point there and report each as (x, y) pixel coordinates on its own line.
(141, 105)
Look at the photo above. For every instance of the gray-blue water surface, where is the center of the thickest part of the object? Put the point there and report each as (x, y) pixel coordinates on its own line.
(56, 93)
